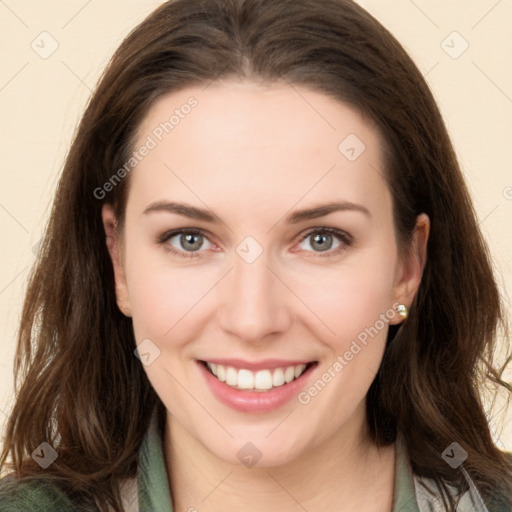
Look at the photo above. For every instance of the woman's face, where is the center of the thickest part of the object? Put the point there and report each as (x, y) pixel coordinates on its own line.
(287, 259)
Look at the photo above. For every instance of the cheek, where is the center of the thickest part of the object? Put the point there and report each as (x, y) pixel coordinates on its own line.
(352, 297)
(165, 304)
(161, 293)
(354, 304)
(162, 298)
(356, 308)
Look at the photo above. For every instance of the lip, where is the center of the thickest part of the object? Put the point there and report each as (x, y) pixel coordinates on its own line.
(265, 364)
(255, 401)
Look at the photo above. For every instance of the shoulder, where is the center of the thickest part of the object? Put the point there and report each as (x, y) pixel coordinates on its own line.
(429, 499)
(496, 504)
(33, 495)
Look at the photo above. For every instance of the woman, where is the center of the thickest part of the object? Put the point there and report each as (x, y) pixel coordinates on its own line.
(262, 285)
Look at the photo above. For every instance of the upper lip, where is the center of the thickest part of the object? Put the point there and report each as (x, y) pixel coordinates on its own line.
(265, 364)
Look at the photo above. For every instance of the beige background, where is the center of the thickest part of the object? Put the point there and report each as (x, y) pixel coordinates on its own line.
(41, 100)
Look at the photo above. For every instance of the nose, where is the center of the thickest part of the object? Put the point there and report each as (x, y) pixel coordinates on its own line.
(255, 304)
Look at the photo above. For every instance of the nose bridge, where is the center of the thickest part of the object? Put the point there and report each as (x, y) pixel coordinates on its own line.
(254, 304)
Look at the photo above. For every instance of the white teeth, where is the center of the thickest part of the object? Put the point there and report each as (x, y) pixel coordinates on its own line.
(289, 374)
(245, 379)
(278, 377)
(261, 380)
(231, 376)
(299, 369)
(221, 372)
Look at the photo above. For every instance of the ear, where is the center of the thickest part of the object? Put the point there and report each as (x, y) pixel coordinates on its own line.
(116, 255)
(410, 270)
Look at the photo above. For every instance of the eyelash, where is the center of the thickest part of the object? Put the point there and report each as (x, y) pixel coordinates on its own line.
(345, 238)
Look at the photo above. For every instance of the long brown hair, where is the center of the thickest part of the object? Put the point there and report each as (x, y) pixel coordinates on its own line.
(79, 386)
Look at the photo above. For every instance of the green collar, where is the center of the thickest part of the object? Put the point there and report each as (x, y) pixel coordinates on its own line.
(405, 496)
(153, 483)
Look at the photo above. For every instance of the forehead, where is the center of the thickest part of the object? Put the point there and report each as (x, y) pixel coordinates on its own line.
(242, 140)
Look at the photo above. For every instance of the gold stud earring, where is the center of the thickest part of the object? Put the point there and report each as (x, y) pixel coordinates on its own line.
(402, 311)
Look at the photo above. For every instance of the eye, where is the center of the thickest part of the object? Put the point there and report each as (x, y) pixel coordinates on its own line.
(184, 243)
(322, 240)
(187, 243)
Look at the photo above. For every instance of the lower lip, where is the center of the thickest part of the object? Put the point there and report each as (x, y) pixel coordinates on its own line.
(254, 401)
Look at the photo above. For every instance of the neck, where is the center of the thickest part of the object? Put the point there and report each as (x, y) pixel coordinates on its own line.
(343, 469)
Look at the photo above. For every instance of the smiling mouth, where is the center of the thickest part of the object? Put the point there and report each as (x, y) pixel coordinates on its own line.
(258, 381)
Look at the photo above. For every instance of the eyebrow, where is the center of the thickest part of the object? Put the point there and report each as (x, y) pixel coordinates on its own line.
(296, 217)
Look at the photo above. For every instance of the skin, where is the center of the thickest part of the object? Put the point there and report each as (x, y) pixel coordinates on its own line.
(253, 154)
